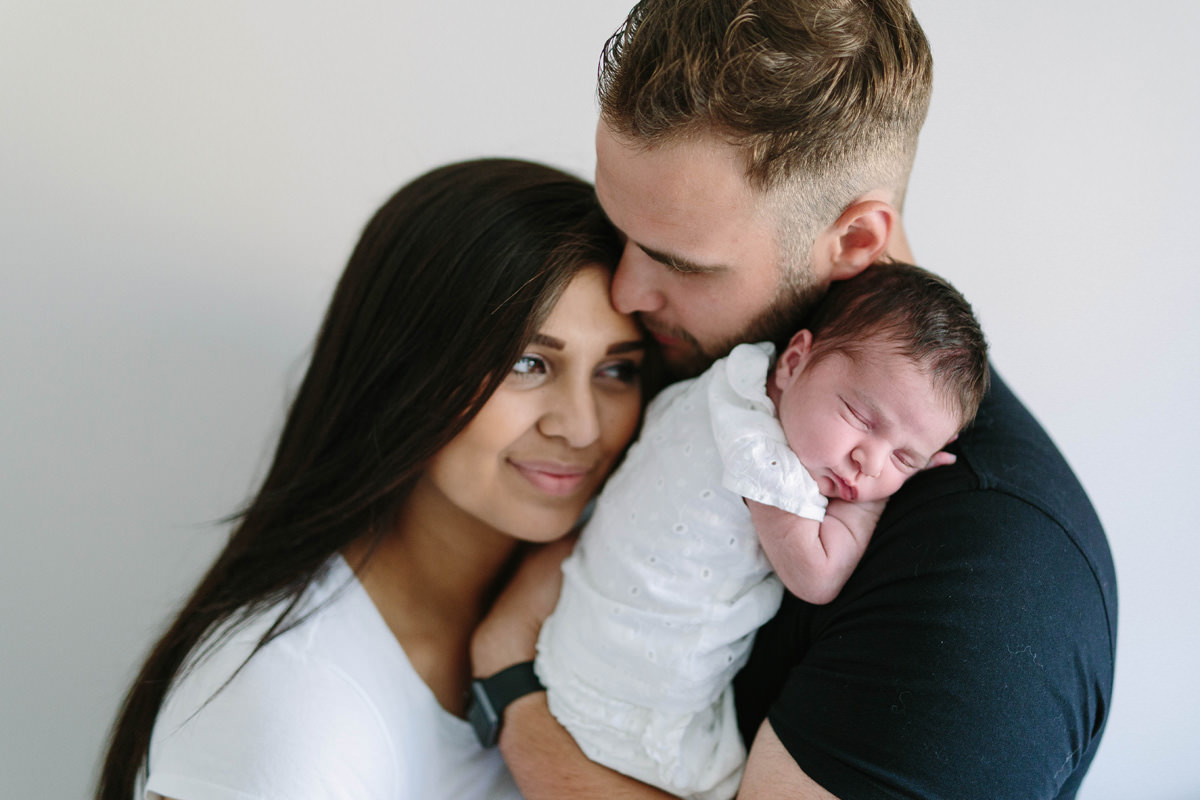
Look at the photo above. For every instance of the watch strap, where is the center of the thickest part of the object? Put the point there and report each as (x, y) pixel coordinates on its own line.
(490, 696)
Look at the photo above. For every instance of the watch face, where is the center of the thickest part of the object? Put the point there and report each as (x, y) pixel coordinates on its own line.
(482, 715)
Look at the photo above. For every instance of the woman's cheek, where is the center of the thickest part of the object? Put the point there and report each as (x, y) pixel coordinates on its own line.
(625, 423)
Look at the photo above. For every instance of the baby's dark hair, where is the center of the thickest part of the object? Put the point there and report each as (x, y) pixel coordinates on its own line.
(925, 318)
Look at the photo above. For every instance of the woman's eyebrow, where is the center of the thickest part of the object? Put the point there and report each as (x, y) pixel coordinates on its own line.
(554, 343)
(549, 341)
(626, 347)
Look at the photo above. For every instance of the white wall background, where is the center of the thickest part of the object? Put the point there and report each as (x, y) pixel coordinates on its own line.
(180, 185)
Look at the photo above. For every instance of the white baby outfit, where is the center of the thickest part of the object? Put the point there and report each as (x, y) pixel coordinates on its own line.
(667, 586)
(329, 709)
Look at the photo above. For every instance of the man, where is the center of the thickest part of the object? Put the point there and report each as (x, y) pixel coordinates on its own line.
(750, 153)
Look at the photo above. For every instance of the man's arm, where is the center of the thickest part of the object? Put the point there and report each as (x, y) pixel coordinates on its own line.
(547, 764)
(772, 772)
(814, 559)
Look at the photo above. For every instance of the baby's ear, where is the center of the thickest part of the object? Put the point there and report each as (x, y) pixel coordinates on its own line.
(941, 459)
(792, 360)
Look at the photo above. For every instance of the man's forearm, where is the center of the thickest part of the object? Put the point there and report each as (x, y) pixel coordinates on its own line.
(548, 765)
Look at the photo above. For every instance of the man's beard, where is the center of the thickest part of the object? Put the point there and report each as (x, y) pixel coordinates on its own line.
(794, 299)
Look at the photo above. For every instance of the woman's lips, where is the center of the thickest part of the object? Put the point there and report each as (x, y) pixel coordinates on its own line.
(552, 477)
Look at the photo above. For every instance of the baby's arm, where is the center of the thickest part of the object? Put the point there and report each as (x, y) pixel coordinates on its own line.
(814, 559)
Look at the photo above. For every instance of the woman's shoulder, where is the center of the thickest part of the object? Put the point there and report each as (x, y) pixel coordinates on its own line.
(288, 713)
(332, 707)
(281, 719)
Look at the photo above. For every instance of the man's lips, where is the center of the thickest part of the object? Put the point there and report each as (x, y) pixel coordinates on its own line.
(666, 340)
(553, 477)
(663, 337)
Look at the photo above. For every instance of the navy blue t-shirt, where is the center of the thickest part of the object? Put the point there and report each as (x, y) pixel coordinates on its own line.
(970, 655)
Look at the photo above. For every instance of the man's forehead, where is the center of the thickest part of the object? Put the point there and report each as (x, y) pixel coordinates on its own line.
(686, 200)
(687, 166)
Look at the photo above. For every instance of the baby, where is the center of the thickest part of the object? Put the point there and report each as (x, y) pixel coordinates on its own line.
(744, 478)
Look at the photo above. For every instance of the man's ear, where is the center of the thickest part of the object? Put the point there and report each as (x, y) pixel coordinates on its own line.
(860, 237)
(792, 360)
(941, 459)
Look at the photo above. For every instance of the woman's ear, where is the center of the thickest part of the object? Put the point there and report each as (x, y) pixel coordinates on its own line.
(792, 360)
(861, 237)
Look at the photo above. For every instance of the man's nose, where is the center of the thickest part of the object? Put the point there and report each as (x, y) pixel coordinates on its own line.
(633, 284)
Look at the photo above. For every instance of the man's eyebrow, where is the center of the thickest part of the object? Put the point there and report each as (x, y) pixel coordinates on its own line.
(679, 263)
(675, 262)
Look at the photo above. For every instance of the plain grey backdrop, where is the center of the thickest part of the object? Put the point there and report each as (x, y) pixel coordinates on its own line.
(181, 183)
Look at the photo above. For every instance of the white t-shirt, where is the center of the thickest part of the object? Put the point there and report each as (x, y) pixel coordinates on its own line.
(664, 592)
(330, 709)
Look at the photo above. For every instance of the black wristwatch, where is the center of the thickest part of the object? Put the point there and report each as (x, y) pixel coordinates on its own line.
(490, 696)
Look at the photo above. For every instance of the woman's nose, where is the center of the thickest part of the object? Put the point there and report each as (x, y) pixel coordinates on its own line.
(632, 284)
(572, 416)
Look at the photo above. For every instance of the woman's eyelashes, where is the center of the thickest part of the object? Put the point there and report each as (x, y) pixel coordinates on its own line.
(530, 366)
(532, 369)
(625, 370)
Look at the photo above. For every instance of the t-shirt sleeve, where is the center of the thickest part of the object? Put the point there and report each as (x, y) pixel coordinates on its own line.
(968, 659)
(278, 729)
(757, 462)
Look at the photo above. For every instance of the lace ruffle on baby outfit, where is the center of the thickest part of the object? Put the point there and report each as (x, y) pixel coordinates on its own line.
(758, 463)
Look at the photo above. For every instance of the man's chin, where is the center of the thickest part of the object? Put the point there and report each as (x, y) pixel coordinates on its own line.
(681, 363)
(681, 355)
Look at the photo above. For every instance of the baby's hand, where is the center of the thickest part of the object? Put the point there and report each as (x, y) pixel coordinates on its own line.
(860, 517)
(868, 506)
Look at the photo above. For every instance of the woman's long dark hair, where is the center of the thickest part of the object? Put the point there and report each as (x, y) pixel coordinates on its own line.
(449, 282)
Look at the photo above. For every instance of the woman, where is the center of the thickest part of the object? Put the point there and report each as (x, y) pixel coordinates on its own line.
(469, 390)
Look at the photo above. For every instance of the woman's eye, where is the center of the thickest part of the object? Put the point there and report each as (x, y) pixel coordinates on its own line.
(621, 371)
(529, 365)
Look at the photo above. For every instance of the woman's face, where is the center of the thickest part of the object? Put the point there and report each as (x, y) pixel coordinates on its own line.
(527, 464)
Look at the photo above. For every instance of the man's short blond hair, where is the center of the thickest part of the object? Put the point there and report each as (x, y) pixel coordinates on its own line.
(825, 98)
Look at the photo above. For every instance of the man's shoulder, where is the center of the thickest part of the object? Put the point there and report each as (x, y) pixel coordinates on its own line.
(986, 602)
(1007, 450)
(1010, 482)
